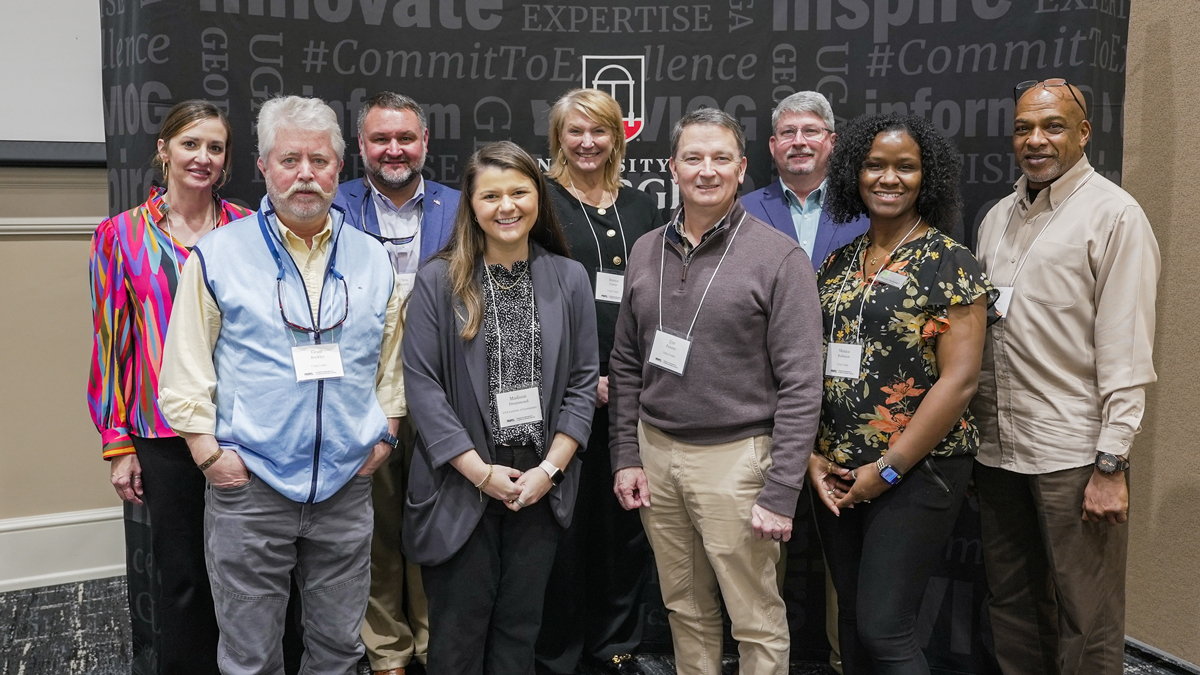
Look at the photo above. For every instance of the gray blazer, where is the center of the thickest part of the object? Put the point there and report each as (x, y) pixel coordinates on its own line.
(446, 384)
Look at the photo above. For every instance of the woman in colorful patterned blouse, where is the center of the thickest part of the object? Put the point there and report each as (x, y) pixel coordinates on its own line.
(135, 264)
(905, 317)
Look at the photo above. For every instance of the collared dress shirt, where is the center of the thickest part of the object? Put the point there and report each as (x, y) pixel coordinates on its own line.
(190, 381)
(397, 222)
(806, 214)
(1063, 372)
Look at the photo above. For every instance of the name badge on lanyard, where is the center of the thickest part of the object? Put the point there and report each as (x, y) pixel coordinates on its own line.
(669, 352)
(610, 286)
(843, 360)
(317, 362)
(519, 406)
(1002, 302)
(893, 279)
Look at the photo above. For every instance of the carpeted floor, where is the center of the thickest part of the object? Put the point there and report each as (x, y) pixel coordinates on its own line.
(83, 629)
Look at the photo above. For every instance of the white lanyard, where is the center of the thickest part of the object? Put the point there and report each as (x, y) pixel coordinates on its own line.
(500, 338)
(1013, 282)
(663, 261)
(592, 228)
(867, 290)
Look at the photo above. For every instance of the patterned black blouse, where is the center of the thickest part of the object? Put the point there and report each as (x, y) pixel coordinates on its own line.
(861, 418)
(509, 306)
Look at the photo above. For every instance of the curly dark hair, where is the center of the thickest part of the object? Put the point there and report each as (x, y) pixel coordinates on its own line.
(938, 202)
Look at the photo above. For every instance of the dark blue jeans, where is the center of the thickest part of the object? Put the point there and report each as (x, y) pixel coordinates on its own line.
(881, 555)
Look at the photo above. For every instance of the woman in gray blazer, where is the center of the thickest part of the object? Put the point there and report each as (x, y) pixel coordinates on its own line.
(500, 367)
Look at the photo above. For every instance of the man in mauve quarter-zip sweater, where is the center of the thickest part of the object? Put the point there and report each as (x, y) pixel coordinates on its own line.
(715, 394)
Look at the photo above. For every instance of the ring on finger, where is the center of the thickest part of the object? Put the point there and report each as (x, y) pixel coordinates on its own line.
(520, 504)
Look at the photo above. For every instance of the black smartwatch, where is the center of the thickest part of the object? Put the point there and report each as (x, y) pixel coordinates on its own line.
(390, 439)
(1109, 464)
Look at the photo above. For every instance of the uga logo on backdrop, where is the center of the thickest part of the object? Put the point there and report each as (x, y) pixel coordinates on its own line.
(623, 78)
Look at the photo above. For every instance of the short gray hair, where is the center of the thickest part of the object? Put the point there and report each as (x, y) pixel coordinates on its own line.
(311, 114)
(390, 100)
(711, 116)
(804, 102)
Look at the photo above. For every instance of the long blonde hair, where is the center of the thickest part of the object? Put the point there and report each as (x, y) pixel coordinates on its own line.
(467, 243)
(599, 107)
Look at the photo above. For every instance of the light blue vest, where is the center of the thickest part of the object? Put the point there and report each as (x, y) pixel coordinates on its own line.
(304, 439)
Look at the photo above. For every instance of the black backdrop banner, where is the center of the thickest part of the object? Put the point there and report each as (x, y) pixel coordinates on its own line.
(487, 70)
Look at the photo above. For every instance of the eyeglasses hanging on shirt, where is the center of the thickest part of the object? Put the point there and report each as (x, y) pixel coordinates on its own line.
(401, 250)
(319, 360)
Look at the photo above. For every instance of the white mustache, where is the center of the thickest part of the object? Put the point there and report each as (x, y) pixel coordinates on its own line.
(307, 186)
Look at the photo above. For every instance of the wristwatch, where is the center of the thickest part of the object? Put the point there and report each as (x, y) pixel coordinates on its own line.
(390, 439)
(888, 473)
(555, 473)
(1109, 464)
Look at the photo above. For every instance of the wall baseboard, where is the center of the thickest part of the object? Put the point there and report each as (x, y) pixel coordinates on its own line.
(61, 548)
(47, 227)
(1184, 666)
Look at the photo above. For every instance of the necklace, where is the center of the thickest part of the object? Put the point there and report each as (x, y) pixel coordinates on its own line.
(580, 194)
(876, 257)
(488, 269)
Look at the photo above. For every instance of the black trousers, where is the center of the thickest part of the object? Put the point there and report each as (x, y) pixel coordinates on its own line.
(881, 555)
(186, 634)
(602, 565)
(485, 602)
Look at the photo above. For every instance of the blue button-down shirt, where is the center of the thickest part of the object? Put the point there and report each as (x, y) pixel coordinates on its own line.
(806, 214)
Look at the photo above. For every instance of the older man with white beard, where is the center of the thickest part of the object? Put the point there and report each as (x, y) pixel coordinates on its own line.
(281, 370)
(413, 218)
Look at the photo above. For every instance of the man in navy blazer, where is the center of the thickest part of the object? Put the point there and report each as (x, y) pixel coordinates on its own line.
(393, 201)
(413, 219)
(802, 138)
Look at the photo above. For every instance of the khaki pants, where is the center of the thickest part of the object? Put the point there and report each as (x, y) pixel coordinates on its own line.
(1057, 581)
(699, 527)
(394, 634)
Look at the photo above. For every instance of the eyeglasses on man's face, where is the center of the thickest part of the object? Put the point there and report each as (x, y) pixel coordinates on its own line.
(789, 134)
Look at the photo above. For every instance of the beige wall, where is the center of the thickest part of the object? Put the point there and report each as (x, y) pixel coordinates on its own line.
(1162, 121)
(49, 448)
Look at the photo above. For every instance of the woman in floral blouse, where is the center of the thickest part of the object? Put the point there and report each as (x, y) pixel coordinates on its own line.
(905, 318)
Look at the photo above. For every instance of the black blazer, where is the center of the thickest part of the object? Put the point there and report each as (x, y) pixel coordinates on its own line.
(446, 385)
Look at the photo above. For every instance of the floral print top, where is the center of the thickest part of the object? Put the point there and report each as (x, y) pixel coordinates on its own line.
(861, 418)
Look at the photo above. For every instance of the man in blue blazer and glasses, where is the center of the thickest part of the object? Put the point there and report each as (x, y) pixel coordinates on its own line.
(801, 140)
(412, 218)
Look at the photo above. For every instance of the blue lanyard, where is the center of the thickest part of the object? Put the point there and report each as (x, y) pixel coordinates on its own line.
(266, 233)
(331, 270)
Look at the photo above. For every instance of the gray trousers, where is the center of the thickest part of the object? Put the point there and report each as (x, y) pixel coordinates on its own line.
(254, 538)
